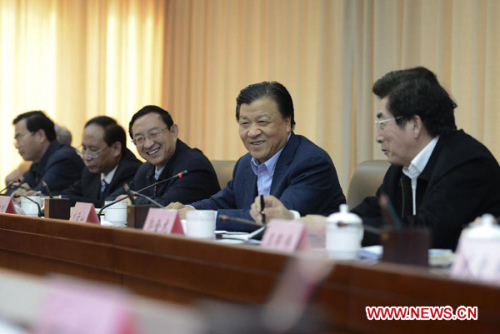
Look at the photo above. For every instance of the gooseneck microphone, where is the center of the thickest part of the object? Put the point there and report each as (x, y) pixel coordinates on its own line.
(13, 183)
(178, 175)
(37, 204)
(224, 218)
(136, 194)
(257, 234)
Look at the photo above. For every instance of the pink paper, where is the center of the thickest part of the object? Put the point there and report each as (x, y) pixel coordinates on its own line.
(285, 235)
(6, 205)
(163, 221)
(84, 213)
(477, 260)
(82, 308)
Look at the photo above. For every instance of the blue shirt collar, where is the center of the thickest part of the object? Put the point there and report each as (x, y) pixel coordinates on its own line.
(270, 164)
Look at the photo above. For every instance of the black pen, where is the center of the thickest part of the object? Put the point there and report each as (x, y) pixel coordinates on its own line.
(262, 207)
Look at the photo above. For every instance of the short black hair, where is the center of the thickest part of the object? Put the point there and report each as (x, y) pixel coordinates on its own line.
(165, 116)
(37, 120)
(112, 131)
(417, 91)
(273, 90)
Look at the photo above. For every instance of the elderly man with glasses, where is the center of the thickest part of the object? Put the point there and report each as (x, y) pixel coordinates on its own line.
(440, 177)
(156, 137)
(54, 163)
(110, 164)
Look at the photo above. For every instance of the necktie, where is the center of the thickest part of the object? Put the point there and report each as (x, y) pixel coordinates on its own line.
(104, 189)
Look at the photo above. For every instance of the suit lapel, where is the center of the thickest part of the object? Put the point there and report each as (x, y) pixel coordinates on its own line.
(284, 161)
(94, 186)
(251, 185)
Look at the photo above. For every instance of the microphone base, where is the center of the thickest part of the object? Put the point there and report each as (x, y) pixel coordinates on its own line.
(136, 215)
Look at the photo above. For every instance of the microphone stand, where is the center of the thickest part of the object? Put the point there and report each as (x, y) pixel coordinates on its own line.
(135, 193)
(37, 204)
(257, 234)
(10, 185)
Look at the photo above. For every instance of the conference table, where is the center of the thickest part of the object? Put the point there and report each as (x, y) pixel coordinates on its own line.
(186, 271)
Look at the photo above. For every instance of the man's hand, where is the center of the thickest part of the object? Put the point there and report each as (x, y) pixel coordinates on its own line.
(24, 190)
(181, 207)
(175, 206)
(273, 209)
(123, 196)
(15, 175)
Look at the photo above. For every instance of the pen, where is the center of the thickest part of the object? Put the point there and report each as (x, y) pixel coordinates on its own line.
(262, 207)
(388, 212)
(46, 187)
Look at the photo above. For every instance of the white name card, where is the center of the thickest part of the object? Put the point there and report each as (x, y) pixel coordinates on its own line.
(285, 235)
(477, 260)
(6, 205)
(84, 213)
(163, 221)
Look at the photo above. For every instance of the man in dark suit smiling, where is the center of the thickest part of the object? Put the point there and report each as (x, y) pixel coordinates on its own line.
(279, 162)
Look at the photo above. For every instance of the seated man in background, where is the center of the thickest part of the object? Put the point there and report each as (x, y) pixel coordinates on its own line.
(63, 136)
(56, 164)
(440, 177)
(156, 138)
(279, 162)
(110, 164)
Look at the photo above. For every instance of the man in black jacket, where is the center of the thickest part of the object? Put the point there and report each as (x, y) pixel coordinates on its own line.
(156, 138)
(109, 163)
(440, 177)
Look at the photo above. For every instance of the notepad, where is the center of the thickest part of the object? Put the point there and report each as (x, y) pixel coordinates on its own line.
(437, 257)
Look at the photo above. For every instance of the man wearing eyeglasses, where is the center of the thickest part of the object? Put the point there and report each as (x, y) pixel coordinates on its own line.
(56, 164)
(110, 164)
(156, 137)
(440, 177)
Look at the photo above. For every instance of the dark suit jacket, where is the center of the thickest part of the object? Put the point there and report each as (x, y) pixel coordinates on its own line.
(88, 188)
(460, 182)
(200, 182)
(305, 180)
(59, 167)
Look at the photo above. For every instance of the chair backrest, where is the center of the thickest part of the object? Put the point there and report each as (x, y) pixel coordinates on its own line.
(365, 181)
(224, 170)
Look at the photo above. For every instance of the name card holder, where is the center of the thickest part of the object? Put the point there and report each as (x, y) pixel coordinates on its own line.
(6, 205)
(163, 221)
(80, 308)
(84, 213)
(285, 235)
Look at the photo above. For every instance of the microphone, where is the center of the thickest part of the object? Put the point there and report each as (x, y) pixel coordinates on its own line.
(178, 175)
(46, 187)
(10, 185)
(109, 204)
(135, 193)
(37, 204)
(224, 218)
(129, 193)
(257, 234)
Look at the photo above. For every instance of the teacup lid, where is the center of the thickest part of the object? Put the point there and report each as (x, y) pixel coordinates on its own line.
(344, 216)
(487, 228)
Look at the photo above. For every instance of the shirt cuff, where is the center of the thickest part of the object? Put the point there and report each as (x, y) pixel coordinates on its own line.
(296, 214)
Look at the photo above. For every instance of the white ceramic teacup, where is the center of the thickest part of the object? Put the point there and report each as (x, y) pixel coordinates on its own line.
(200, 224)
(116, 214)
(30, 208)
